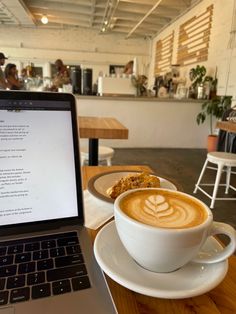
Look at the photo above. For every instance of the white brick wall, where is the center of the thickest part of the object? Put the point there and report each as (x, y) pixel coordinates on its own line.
(220, 34)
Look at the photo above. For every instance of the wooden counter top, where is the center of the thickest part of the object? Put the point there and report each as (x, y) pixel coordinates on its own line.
(134, 98)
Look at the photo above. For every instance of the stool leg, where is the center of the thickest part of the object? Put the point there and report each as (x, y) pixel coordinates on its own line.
(228, 175)
(200, 177)
(217, 181)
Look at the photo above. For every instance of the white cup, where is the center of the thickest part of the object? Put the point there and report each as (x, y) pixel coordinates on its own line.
(162, 249)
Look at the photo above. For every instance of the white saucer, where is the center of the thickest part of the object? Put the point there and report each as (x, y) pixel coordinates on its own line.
(189, 281)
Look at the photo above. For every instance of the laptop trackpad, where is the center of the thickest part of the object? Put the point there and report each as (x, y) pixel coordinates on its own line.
(7, 310)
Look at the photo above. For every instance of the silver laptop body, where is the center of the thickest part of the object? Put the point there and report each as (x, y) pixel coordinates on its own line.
(41, 195)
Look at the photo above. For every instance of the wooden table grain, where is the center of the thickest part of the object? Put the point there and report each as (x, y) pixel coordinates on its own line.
(95, 128)
(102, 127)
(226, 126)
(221, 300)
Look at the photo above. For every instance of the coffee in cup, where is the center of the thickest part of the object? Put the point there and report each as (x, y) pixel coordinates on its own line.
(163, 229)
(164, 209)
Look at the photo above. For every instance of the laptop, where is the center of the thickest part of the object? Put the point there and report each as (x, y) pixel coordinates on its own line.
(46, 258)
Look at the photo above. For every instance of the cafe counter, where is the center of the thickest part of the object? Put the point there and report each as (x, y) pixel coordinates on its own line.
(152, 122)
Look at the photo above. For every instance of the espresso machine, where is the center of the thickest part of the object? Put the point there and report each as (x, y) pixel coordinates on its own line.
(87, 81)
(76, 79)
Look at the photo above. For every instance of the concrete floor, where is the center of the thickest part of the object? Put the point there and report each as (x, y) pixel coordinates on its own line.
(183, 166)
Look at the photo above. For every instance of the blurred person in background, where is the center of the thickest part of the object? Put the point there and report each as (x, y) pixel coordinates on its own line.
(3, 83)
(129, 67)
(62, 76)
(11, 76)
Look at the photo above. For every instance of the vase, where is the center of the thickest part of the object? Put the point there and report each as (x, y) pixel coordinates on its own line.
(212, 142)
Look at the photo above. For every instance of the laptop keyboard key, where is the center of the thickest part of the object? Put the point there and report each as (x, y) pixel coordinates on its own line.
(4, 297)
(45, 264)
(2, 283)
(26, 268)
(32, 246)
(69, 260)
(23, 258)
(16, 282)
(80, 283)
(19, 295)
(3, 250)
(38, 255)
(60, 287)
(73, 249)
(41, 291)
(6, 260)
(8, 271)
(36, 278)
(66, 272)
(60, 251)
(15, 249)
(48, 244)
(67, 241)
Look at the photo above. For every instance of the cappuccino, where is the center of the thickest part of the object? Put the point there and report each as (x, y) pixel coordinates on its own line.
(163, 209)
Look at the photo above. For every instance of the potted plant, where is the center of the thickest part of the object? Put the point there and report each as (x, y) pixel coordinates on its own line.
(196, 76)
(214, 107)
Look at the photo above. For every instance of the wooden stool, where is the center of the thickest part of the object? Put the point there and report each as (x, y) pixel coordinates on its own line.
(104, 153)
(222, 160)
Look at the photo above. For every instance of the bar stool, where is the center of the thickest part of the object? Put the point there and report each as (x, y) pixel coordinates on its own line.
(104, 154)
(222, 160)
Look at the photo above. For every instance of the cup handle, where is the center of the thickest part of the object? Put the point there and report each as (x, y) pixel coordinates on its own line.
(214, 257)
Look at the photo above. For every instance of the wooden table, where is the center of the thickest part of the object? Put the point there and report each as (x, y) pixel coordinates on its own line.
(221, 300)
(229, 137)
(95, 128)
(226, 126)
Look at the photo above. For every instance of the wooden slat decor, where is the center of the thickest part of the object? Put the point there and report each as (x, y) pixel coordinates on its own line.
(194, 37)
(163, 56)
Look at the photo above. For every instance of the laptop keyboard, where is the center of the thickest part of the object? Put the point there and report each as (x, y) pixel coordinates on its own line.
(40, 267)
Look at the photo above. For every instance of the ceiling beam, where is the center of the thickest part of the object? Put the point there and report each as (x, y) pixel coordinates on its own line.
(75, 22)
(162, 9)
(61, 14)
(137, 17)
(143, 19)
(147, 2)
(145, 24)
(17, 10)
(47, 5)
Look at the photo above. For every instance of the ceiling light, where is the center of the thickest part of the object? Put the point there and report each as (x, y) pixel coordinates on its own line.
(44, 19)
(106, 22)
(103, 29)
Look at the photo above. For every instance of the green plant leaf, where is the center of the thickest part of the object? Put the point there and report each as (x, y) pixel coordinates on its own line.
(201, 117)
(214, 108)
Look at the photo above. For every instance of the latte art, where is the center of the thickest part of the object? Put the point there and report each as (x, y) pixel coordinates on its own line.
(163, 209)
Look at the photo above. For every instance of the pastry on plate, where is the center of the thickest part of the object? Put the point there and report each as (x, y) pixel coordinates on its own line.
(134, 181)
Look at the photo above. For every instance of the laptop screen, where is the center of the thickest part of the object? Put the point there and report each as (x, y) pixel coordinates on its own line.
(37, 161)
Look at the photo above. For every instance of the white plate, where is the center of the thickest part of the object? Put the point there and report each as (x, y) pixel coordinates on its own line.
(100, 184)
(191, 280)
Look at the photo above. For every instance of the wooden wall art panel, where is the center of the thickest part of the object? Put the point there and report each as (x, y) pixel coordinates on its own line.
(194, 38)
(163, 57)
